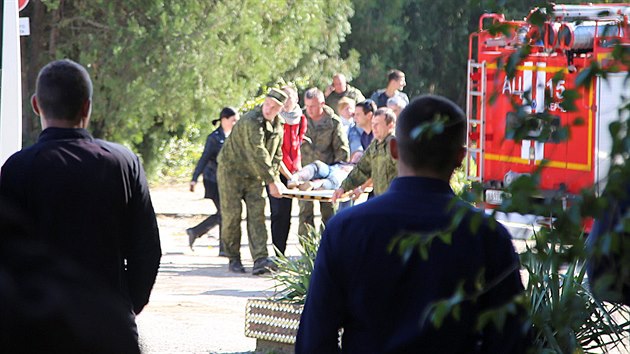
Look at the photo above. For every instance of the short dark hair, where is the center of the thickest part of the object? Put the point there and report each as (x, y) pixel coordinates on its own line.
(395, 74)
(421, 147)
(368, 106)
(63, 86)
(227, 112)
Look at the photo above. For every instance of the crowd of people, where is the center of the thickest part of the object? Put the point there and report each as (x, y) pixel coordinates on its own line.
(81, 248)
(338, 141)
(345, 143)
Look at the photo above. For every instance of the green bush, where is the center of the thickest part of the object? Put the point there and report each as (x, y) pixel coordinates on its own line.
(180, 156)
(294, 274)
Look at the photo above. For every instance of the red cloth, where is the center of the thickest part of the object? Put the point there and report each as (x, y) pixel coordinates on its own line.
(293, 136)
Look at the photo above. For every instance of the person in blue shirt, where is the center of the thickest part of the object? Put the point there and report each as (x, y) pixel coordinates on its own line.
(395, 83)
(381, 299)
(360, 132)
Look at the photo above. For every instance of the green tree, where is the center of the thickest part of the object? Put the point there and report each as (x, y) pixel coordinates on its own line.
(164, 68)
(428, 40)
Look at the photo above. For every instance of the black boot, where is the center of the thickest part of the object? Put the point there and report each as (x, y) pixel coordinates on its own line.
(191, 237)
(236, 266)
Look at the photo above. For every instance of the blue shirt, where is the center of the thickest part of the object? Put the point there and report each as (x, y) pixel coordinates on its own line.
(366, 139)
(379, 300)
(354, 138)
(380, 97)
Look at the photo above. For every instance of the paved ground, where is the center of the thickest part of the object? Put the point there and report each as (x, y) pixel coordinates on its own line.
(197, 306)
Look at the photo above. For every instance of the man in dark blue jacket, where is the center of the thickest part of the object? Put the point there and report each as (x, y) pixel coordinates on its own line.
(383, 300)
(87, 198)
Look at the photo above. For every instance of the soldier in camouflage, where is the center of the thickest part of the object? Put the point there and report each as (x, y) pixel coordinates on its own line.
(324, 141)
(377, 161)
(250, 158)
(340, 89)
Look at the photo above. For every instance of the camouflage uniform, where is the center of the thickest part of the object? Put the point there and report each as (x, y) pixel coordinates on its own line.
(351, 92)
(377, 163)
(324, 141)
(250, 158)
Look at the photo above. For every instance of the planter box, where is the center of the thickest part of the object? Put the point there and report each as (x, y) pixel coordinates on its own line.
(273, 324)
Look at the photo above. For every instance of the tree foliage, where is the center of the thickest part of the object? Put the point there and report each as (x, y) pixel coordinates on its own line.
(164, 67)
(428, 40)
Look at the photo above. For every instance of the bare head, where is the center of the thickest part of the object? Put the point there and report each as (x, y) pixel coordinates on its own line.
(396, 79)
(340, 85)
(383, 123)
(396, 104)
(228, 118)
(314, 103)
(63, 96)
(346, 108)
(422, 151)
(363, 114)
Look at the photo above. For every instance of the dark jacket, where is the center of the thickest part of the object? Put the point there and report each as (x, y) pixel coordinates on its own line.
(89, 199)
(379, 298)
(208, 161)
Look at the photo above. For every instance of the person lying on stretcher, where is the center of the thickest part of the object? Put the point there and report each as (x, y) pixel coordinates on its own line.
(320, 176)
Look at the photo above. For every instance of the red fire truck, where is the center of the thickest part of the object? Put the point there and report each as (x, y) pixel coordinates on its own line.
(572, 38)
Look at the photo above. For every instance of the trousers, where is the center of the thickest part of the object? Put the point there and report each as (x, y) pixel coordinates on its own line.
(307, 216)
(232, 190)
(280, 219)
(212, 192)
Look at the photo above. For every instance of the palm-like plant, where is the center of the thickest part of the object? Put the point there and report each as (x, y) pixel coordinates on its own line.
(566, 318)
(294, 273)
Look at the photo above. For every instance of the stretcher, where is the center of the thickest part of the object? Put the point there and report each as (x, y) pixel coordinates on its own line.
(323, 195)
(320, 195)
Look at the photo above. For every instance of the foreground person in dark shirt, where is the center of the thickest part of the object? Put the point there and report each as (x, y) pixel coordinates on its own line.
(50, 305)
(87, 198)
(380, 299)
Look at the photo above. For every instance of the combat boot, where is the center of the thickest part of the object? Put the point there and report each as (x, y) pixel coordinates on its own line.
(236, 266)
(263, 265)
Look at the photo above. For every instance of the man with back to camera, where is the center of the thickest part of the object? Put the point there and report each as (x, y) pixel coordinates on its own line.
(249, 160)
(88, 198)
(378, 298)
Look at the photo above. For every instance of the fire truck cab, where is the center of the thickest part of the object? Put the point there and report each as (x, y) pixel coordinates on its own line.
(574, 37)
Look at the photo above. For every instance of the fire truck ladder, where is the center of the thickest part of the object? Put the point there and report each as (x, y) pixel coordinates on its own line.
(476, 117)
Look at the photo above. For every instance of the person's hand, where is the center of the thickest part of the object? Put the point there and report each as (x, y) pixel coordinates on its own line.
(338, 193)
(275, 189)
(356, 193)
(329, 90)
(192, 185)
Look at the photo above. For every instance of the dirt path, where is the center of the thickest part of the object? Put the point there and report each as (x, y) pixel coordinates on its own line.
(197, 306)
